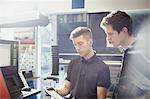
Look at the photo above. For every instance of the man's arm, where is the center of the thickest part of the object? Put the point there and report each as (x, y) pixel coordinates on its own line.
(101, 93)
(65, 89)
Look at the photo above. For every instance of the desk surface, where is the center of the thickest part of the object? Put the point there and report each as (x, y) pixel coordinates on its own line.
(30, 93)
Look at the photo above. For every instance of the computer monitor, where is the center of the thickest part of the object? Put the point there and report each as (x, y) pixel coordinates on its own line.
(13, 81)
(9, 53)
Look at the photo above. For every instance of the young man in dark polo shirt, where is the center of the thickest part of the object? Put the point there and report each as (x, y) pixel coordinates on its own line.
(87, 77)
(134, 72)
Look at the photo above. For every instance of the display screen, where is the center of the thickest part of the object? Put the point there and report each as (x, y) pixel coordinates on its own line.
(5, 53)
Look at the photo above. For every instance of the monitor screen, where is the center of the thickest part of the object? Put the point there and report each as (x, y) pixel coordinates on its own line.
(13, 80)
(5, 53)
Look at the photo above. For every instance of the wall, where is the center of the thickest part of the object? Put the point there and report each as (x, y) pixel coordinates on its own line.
(54, 6)
(109, 5)
(9, 7)
(92, 5)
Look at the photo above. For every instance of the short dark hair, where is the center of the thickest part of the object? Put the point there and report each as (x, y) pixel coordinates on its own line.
(85, 31)
(118, 20)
